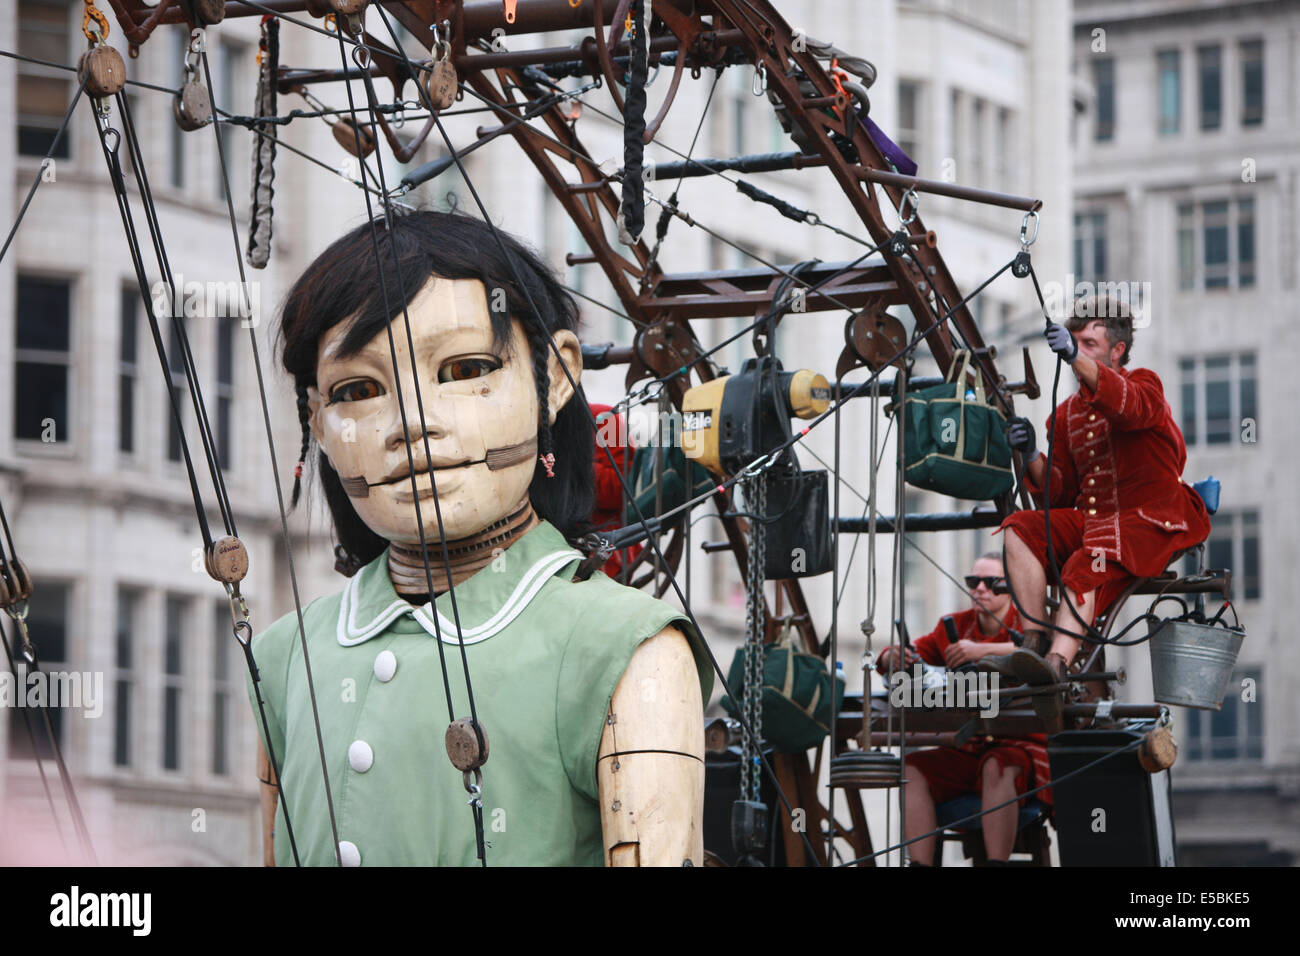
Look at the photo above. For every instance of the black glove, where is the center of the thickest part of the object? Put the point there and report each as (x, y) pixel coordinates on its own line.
(1020, 435)
(1062, 342)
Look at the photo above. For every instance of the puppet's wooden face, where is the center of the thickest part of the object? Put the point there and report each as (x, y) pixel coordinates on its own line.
(480, 415)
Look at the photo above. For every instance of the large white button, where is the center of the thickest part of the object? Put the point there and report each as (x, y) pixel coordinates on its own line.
(349, 853)
(360, 756)
(385, 665)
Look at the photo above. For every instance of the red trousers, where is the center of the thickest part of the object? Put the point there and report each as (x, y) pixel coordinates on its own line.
(951, 773)
(1078, 567)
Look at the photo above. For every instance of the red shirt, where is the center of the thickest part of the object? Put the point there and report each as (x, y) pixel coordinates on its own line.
(608, 513)
(1120, 461)
(931, 646)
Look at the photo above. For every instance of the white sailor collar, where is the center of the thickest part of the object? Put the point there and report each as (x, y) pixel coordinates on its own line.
(486, 603)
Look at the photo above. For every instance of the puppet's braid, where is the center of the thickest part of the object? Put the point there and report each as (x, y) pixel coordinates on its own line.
(304, 420)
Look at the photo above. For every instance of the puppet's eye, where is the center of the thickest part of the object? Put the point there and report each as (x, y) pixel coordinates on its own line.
(356, 391)
(462, 369)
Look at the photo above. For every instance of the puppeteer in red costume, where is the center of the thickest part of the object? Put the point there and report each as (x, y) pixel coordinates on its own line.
(997, 768)
(1119, 506)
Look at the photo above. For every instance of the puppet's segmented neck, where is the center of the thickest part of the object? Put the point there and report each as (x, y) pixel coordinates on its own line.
(464, 555)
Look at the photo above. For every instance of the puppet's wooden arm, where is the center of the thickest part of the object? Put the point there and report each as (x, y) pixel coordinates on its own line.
(268, 793)
(650, 769)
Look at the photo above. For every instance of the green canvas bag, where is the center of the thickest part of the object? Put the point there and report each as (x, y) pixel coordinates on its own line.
(955, 441)
(796, 697)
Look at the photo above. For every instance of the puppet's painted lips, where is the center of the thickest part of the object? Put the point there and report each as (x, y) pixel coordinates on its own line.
(424, 485)
(403, 473)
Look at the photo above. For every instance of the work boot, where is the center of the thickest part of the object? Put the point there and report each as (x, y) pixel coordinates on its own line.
(1035, 670)
(1039, 672)
(1035, 641)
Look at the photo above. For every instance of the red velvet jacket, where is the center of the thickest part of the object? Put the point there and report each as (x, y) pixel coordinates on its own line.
(1120, 461)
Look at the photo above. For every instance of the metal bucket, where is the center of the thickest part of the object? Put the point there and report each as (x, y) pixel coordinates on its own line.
(1191, 663)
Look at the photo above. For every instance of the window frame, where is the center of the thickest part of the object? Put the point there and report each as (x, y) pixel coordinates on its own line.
(1103, 78)
(1199, 383)
(65, 444)
(1248, 58)
(1190, 218)
(25, 70)
(1200, 739)
(1166, 125)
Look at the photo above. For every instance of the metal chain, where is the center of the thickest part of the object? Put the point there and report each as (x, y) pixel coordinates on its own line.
(755, 629)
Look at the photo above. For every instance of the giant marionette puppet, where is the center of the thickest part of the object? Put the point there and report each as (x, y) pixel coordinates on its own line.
(589, 693)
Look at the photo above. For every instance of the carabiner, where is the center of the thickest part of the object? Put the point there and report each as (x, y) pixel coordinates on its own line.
(1024, 229)
(910, 217)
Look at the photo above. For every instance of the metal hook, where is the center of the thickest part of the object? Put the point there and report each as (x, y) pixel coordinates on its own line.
(1024, 229)
(759, 85)
(910, 217)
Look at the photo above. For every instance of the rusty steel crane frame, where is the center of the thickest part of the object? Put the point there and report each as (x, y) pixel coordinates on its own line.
(703, 34)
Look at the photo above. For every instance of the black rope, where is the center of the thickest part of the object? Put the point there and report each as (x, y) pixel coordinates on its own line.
(37, 179)
(137, 262)
(580, 394)
(206, 437)
(284, 531)
(31, 736)
(475, 804)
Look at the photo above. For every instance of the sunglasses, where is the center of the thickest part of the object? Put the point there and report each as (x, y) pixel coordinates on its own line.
(997, 585)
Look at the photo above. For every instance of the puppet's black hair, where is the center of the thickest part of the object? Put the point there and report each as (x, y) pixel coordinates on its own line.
(342, 285)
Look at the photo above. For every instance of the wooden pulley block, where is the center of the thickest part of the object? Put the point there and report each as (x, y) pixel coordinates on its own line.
(205, 13)
(346, 136)
(102, 70)
(441, 82)
(1158, 750)
(227, 560)
(191, 106)
(347, 8)
(463, 745)
(15, 583)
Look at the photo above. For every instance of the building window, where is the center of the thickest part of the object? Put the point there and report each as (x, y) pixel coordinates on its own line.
(174, 621)
(1233, 543)
(127, 369)
(1210, 74)
(47, 624)
(176, 362)
(223, 689)
(225, 387)
(1103, 74)
(909, 115)
(1234, 733)
(128, 615)
(1090, 246)
(1170, 82)
(43, 92)
(42, 357)
(1252, 82)
(1216, 245)
(1218, 394)
(978, 143)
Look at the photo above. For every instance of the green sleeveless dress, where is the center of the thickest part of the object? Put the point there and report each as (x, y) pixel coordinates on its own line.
(545, 654)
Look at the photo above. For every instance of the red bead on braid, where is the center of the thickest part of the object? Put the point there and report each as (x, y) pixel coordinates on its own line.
(548, 462)
(297, 472)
